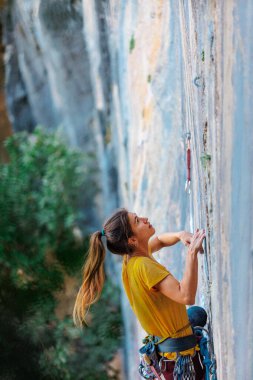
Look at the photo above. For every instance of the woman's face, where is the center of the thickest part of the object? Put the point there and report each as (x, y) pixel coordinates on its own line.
(141, 227)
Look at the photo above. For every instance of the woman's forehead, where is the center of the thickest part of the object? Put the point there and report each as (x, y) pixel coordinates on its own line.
(132, 216)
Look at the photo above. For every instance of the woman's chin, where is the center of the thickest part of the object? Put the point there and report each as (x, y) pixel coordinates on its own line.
(152, 230)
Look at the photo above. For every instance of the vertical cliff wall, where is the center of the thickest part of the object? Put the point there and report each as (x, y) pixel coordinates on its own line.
(49, 80)
(184, 67)
(5, 126)
(133, 80)
(46, 58)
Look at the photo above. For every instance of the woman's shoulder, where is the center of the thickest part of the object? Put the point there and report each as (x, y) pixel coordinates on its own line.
(138, 262)
(146, 261)
(150, 264)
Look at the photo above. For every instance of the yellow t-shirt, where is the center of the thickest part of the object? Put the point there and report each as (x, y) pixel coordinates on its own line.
(157, 314)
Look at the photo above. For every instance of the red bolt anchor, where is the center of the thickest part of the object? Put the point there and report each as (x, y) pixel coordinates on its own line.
(188, 162)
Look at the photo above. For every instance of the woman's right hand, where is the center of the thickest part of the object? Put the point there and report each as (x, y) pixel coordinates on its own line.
(196, 241)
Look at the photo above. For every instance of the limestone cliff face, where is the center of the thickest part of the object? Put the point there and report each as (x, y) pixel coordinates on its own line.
(5, 126)
(135, 79)
(48, 79)
(45, 58)
(185, 67)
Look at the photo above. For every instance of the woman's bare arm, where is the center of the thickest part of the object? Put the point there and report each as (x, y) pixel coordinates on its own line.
(169, 238)
(185, 291)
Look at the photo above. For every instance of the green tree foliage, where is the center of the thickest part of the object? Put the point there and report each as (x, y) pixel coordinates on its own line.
(39, 201)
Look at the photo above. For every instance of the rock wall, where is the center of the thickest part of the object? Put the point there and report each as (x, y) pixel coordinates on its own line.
(5, 126)
(133, 80)
(48, 81)
(184, 67)
(47, 68)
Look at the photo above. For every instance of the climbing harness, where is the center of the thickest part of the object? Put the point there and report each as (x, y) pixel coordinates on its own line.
(188, 163)
(151, 361)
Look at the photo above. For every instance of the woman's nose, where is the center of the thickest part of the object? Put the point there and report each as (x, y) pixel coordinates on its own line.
(145, 220)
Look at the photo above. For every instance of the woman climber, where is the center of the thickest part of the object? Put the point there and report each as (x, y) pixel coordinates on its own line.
(156, 297)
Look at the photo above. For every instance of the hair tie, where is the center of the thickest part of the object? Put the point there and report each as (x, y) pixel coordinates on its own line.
(103, 232)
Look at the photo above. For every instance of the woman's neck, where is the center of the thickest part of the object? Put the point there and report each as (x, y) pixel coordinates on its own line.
(141, 251)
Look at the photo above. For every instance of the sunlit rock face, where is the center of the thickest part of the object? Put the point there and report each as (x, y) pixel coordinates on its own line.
(48, 80)
(48, 64)
(182, 67)
(136, 78)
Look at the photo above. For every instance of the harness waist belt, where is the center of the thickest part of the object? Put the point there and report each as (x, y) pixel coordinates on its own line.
(177, 344)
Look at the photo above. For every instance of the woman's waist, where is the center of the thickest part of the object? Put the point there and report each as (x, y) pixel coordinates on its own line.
(180, 332)
(183, 342)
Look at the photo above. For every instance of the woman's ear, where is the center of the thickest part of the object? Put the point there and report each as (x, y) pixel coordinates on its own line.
(133, 241)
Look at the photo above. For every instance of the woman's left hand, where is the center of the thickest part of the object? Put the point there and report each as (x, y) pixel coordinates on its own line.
(186, 237)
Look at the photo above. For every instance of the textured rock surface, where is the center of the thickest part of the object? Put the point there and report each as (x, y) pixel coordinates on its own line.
(49, 82)
(45, 59)
(136, 86)
(5, 126)
(185, 67)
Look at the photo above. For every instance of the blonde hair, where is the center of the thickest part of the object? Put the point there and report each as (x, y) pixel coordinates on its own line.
(117, 230)
(93, 279)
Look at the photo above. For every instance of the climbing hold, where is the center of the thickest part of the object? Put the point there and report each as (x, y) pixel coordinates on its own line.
(197, 81)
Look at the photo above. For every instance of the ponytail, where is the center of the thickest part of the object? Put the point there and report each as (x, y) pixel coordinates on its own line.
(117, 229)
(93, 279)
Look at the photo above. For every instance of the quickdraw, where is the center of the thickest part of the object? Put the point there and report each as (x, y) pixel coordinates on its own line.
(188, 162)
(184, 368)
(209, 361)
